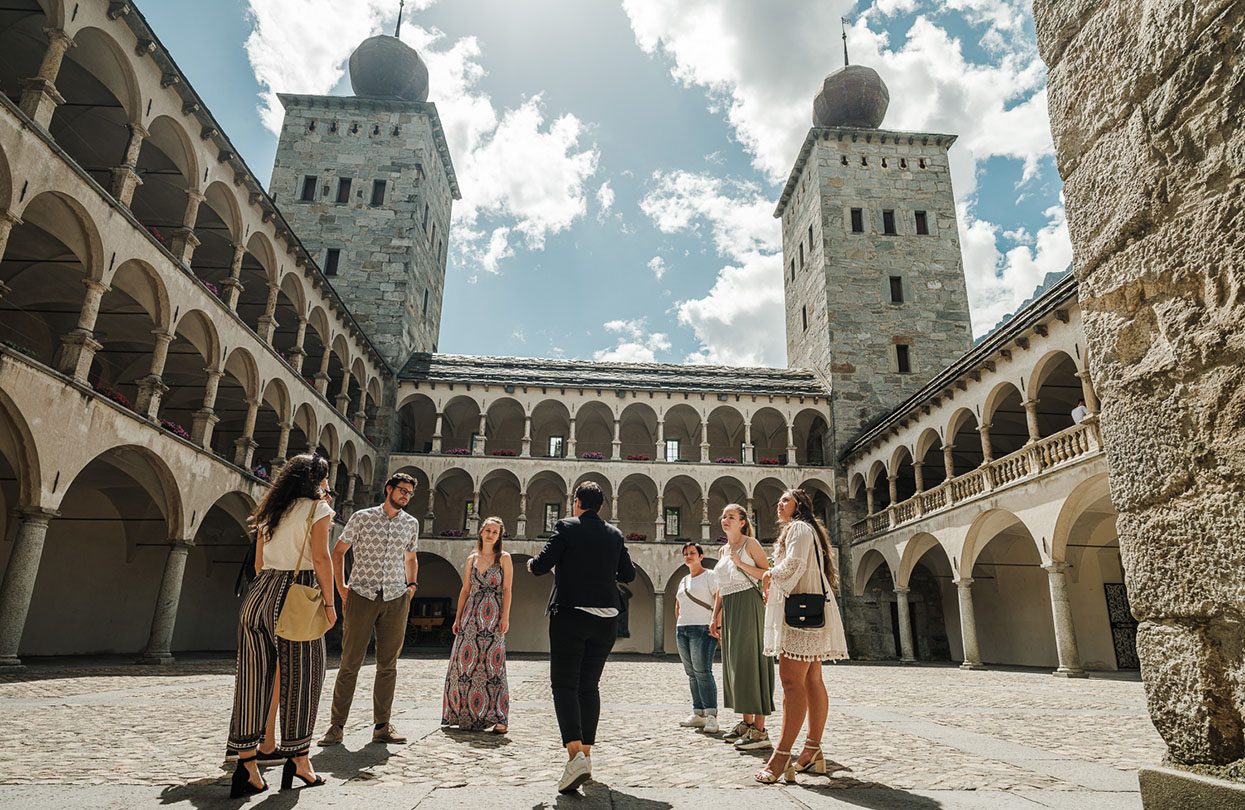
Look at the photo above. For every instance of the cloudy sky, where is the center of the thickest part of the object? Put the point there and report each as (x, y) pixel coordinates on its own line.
(619, 159)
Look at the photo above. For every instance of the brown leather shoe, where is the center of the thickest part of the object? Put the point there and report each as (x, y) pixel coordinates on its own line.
(387, 734)
(332, 737)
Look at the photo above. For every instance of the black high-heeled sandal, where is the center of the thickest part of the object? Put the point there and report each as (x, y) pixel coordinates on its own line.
(291, 770)
(242, 784)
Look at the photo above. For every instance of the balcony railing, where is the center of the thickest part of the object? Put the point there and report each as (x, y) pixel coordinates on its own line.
(1067, 445)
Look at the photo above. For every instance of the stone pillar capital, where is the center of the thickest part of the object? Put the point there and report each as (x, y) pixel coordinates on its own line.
(59, 38)
(7, 217)
(963, 582)
(37, 514)
(195, 194)
(902, 591)
(1056, 567)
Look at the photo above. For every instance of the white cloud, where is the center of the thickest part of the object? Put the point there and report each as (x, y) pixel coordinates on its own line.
(635, 343)
(740, 320)
(891, 7)
(605, 200)
(523, 177)
(658, 265)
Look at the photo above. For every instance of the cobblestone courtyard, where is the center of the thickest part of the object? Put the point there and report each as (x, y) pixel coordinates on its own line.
(110, 734)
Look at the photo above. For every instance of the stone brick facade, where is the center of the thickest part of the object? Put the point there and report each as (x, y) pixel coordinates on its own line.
(390, 265)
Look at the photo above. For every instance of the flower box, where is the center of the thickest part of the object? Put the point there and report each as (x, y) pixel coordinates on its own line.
(592, 455)
(113, 394)
(212, 288)
(768, 461)
(638, 457)
(458, 451)
(19, 348)
(726, 460)
(636, 537)
(454, 533)
(175, 429)
(506, 453)
(261, 473)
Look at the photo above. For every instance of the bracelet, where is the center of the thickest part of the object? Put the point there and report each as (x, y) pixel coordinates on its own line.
(412, 584)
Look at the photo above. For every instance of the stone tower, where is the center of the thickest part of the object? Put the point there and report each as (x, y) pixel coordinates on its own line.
(367, 183)
(874, 284)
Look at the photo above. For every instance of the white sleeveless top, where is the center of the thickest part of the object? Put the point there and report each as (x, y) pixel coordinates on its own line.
(282, 550)
(730, 578)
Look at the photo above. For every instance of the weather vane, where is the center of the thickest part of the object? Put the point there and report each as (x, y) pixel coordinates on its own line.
(397, 30)
(843, 25)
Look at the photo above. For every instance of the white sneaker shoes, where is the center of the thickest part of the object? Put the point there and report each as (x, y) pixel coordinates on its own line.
(693, 720)
(577, 771)
(711, 725)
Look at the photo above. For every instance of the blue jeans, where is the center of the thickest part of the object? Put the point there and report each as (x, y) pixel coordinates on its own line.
(696, 649)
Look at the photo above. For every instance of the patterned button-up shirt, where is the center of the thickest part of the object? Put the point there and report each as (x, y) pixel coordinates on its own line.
(380, 545)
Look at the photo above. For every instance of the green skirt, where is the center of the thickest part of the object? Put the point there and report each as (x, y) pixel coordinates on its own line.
(747, 674)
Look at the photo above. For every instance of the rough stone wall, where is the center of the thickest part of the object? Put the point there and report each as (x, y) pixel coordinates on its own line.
(1146, 102)
(389, 260)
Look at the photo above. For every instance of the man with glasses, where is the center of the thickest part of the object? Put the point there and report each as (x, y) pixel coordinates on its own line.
(376, 600)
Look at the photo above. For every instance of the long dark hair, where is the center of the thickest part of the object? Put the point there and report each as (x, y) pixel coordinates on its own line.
(804, 512)
(300, 477)
(501, 531)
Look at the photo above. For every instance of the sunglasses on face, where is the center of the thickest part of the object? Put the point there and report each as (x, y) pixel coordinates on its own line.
(404, 491)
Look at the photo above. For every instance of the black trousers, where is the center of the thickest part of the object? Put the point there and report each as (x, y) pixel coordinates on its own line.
(579, 643)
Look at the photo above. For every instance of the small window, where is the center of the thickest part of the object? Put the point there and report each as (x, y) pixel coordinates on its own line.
(793, 269)
(432, 238)
(888, 222)
(343, 190)
(902, 360)
(858, 220)
(425, 225)
(553, 513)
(801, 255)
(810, 240)
(309, 189)
(672, 522)
(903, 163)
(843, 159)
(921, 162)
(922, 224)
(804, 316)
(864, 161)
(672, 449)
(331, 257)
(557, 447)
(378, 192)
(425, 302)
(896, 289)
(468, 508)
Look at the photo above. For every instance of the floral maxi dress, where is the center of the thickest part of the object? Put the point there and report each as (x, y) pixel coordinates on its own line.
(476, 693)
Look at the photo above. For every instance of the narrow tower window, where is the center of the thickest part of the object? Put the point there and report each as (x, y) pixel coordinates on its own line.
(378, 192)
(793, 269)
(801, 255)
(858, 220)
(425, 225)
(902, 361)
(425, 302)
(922, 223)
(810, 239)
(896, 289)
(309, 189)
(343, 190)
(331, 257)
(804, 316)
(888, 222)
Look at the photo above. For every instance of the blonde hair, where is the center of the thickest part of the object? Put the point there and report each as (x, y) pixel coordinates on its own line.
(804, 513)
(744, 516)
(501, 531)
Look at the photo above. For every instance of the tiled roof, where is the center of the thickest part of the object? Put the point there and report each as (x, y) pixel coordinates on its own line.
(455, 368)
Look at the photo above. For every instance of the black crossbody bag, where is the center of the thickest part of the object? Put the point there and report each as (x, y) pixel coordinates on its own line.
(808, 610)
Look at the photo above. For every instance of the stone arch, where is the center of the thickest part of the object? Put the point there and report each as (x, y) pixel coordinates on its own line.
(639, 604)
(305, 431)
(1085, 495)
(499, 497)
(259, 271)
(168, 169)
(1053, 384)
(291, 309)
(870, 562)
(725, 430)
(460, 421)
(823, 500)
(965, 439)
(133, 309)
(24, 44)
(769, 436)
(811, 431)
(316, 343)
(66, 220)
(594, 430)
(928, 453)
(682, 493)
(876, 483)
(417, 422)
(547, 493)
(21, 484)
(637, 432)
(504, 427)
(765, 497)
(453, 496)
(723, 490)
(905, 476)
(275, 410)
(1004, 413)
(327, 445)
(221, 544)
(637, 507)
(913, 549)
(551, 429)
(602, 480)
(681, 423)
(440, 580)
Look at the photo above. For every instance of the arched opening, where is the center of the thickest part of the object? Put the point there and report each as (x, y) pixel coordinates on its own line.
(635, 625)
(432, 610)
(303, 431)
(258, 271)
(546, 503)
(683, 509)
(291, 305)
(238, 387)
(499, 497)
(608, 512)
(594, 431)
(274, 410)
(929, 454)
(19, 473)
(638, 432)
(1057, 391)
(218, 225)
(166, 169)
(417, 422)
(764, 508)
(933, 601)
(1011, 598)
(875, 591)
(905, 475)
(358, 377)
(769, 437)
(327, 445)
(503, 430)
(879, 487)
(529, 596)
(822, 500)
(681, 434)
(459, 425)
(637, 508)
(965, 436)
(213, 575)
(316, 344)
(857, 493)
(551, 429)
(339, 358)
(722, 491)
(45, 264)
(812, 436)
(23, 43)
(194, 349)
(453, 503)
(104, 557)
(129, 313)
(420, 504)
(725, 427)
(1005, 414)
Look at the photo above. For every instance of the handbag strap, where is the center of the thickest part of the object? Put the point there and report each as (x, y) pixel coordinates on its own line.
(821, 569)
(687, 590)
(311, 513)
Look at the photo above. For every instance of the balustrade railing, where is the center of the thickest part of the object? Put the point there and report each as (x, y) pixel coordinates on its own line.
(1067, 445)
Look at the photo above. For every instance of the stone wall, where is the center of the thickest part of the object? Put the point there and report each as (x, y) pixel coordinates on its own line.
(1146, 101)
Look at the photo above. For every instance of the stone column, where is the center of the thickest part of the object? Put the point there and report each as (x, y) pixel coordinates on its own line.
(246, 444)
(268, 321)
(704, 439)
(39, 96)
(473, 520)
(869, 500)
(160, 641)
(616, 444)
(8, 220)
(232, 286)
(151, 389)
(19, 581)
(283, 447)
(205, 417)
(342, 400)
(570, 440)
(704, 520)
(360, 413)
(660, 450)
(659, 526)
(614, 510)
(987, 452)
(1087, 390)
(747, 451)
(968, 624)
(1031, 420)
(298, 353)
(1065, 633)
(478, 448)
(906, 655)
(527, 436)
(436, 433)
(948, 460)
(184, 239)
(659, 624)
(892, 486)
(78, 348)
(918, 472)
(125, 179)
(791, 462)
(520, 528)
(322, 376)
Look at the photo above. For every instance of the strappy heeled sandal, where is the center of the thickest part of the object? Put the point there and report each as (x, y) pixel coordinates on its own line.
(819, 764)
(291, 770)
(242, 784)
(767, 777)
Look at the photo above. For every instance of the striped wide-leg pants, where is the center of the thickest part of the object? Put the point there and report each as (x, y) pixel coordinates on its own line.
(259, 649)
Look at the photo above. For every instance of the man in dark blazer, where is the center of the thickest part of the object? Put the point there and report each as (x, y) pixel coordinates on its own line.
(588, 558)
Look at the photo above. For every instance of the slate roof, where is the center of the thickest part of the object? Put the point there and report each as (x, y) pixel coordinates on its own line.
(456, 368)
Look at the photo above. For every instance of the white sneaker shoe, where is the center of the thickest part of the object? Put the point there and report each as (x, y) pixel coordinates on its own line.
(693, 721)
(711, 725)
(577, 771)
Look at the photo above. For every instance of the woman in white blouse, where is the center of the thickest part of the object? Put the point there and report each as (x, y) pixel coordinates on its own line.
(803, 564)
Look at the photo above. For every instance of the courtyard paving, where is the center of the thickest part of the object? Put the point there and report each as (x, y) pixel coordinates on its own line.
(97, 733)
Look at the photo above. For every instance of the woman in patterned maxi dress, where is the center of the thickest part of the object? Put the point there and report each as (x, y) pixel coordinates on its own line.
(477, 696)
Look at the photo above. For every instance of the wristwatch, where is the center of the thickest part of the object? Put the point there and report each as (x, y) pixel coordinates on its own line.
(412, 584)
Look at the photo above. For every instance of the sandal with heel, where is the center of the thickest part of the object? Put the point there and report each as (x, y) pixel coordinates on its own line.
(767, 777)
(291, 770)
(819, 764)
(242, 784)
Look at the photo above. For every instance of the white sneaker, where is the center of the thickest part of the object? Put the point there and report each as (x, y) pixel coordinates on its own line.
(711, 725)
(577, 771)
(693, 721)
